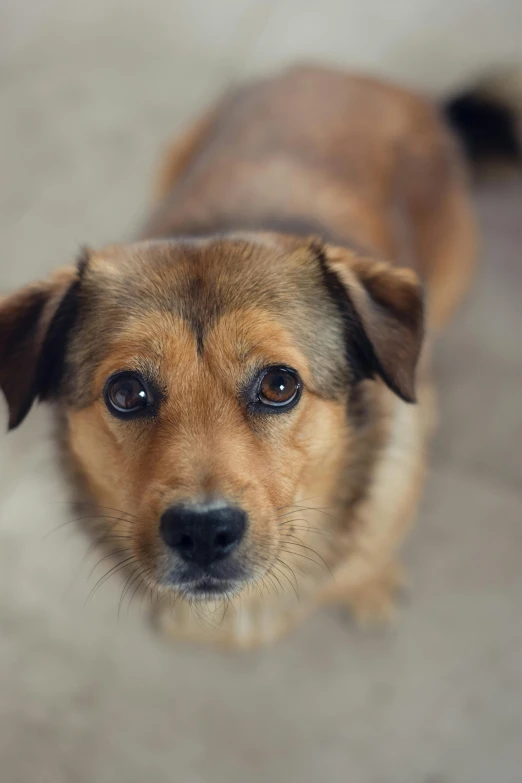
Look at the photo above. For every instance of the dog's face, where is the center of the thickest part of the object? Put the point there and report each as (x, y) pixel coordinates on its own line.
(205, 384)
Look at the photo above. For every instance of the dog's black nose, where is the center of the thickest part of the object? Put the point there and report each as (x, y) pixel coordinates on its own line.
(203, 535)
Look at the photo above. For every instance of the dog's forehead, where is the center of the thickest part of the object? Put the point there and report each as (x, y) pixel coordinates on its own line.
(213, 275)
(203, 283)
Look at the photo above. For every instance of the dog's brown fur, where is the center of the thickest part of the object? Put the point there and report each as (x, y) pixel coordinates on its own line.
(276, 211)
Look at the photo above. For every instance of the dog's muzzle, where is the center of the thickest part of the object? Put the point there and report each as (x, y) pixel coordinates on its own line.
(203, 539)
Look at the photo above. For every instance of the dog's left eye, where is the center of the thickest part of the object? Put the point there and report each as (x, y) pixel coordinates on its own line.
(126, 395)
(278, 388)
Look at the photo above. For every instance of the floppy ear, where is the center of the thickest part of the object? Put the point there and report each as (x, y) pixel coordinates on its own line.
(34, 323)
(384, 316)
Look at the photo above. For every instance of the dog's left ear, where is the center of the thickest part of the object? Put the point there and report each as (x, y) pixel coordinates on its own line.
(384, 316)
(34, 323)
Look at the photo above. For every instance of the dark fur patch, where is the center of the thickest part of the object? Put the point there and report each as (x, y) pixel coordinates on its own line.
(199, 331)
(358, 407)
(38, 370)
(398, 309)
(82, 261)
(488, 129)
(51, 363)
(361, 357)
(16, 356)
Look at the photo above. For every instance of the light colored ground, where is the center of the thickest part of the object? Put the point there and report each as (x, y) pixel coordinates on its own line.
(89, 92)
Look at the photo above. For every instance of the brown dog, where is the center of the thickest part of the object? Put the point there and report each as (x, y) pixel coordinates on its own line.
(241, 392)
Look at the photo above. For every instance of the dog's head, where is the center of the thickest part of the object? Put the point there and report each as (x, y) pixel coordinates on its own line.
(205, 386)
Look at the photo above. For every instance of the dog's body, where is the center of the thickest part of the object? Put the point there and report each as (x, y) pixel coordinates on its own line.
(355, 161)
(267, 295)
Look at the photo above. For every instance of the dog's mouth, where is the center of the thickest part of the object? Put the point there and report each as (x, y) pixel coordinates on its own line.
(207, 588)
(219, 580)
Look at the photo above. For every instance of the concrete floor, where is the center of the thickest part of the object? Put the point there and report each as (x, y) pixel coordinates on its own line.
(89, 92)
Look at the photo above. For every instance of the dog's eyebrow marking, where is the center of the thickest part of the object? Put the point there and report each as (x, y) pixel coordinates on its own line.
(199, 333)
(196, 310)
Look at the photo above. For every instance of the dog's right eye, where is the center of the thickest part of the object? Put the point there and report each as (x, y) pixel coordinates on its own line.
(126, 395)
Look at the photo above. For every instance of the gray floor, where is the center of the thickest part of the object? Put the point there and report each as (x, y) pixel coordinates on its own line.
(89, 92)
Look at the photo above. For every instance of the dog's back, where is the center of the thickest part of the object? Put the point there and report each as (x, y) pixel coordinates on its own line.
(316, 151)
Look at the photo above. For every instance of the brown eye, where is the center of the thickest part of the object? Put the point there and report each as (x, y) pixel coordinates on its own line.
(126, 395)
(279, 387)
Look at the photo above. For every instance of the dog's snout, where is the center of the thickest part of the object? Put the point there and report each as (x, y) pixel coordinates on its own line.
(203, 535)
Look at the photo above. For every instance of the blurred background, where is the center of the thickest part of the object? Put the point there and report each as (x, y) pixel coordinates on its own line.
(90, 93)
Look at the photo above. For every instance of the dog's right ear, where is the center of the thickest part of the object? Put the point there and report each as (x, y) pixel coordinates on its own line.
(383, 310)
(34, 325)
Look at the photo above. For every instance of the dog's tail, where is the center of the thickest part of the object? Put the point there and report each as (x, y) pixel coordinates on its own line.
(487, 118)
